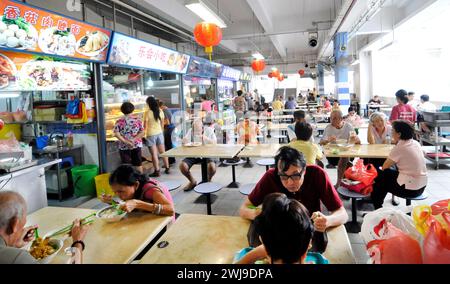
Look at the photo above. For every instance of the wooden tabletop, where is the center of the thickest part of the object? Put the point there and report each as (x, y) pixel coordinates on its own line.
(322, 126)
(118, 242)
(275, 117)
(339, 250)
(260, 150)
(363, 151)
(278, 126)
(227, 151)
(204, 239)
(200, 239)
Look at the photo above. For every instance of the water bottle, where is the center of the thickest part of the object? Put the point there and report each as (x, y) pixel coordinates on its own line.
(388, 139)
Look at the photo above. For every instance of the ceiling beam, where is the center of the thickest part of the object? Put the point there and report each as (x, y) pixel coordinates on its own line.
(266, 22)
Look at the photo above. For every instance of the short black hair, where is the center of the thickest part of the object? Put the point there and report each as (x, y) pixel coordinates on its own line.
(351, 109)
(126, 175)
(411, 93)
(285, 228)
(288, 156)
(299, 114)
(404, 128)
(239, 93)
(402, 95)
(425, 98)
(303, 131)
(127, 108)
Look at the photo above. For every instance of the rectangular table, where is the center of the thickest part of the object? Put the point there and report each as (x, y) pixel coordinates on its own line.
(118, 242)
(200, 239)
(226, 151)
(260, 150)
(363, 151)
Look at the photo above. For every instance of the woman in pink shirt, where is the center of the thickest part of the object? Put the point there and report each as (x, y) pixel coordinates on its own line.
(409, 179)
(206, 104)
(403, 110)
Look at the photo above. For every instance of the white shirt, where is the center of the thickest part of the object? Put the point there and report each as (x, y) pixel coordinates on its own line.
(208, 132)
(292, 135)
(343, 133)
(426, 106)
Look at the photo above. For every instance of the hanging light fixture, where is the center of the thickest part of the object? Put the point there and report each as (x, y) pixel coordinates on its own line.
(205, 13)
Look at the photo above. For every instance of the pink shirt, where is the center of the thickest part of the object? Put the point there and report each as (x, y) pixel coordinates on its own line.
(408, 156)
(404, 112)
(206, 105)
(149, 189)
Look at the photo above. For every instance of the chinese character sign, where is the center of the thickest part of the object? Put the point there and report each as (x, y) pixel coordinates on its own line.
(231, 73)
(25, 27)
(132, 52)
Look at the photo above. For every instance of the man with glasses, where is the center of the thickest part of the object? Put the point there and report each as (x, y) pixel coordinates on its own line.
(308, 184)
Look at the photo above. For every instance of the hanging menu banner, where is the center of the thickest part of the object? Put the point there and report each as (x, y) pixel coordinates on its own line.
(131, 52)
(27, 28)
(200, 67)
(245, 77)
(230, 73)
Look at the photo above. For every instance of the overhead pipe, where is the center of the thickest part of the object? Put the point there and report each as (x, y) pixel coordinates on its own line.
(248, 36)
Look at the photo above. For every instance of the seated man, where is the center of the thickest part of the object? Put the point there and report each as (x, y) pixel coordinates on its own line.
(303, 144)
(338, 129)
(205, 135)
(285, 229)
(14, 235)
(308, 184)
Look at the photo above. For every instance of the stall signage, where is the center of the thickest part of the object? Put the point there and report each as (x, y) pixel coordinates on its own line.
(245, 77)
(32, 72)
(231, 73)
(131, 52)
(201, 67)
(27, 28)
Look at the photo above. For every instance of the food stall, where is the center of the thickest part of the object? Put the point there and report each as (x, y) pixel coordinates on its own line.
(137, 69)
(227, 87)
(46, 63)
(243, 83)
(201, 80)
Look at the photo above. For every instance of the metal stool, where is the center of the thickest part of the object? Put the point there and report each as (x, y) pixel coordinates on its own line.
(246, 189)
(171, 184)
(233, 184)
(206, 189)
(353, 226)
(281, 138)
(266, 162)
(423, 196)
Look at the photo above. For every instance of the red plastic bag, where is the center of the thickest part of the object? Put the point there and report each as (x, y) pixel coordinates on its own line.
(394, 246)
(436, 246)
(360, 172)
(359, 187)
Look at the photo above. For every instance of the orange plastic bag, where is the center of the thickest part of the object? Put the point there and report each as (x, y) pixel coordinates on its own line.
(394, 247)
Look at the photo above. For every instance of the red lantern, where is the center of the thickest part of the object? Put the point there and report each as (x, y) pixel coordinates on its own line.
(2, 124)
(207, 35)
(258, 65)
(275, 73)
(270, 75)
(280, 77)
(301, 72)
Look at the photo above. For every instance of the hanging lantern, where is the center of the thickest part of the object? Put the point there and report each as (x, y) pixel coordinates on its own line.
(270, 75)
(2, 124)
(301, 72)
(258, 65)
(275, 73)
(280, 77)
(207, 35)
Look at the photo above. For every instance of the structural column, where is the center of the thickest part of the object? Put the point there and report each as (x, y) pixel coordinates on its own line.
(341, 70)
(321, 80)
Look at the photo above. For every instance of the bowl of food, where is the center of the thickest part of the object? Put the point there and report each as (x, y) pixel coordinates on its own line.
(344, 144)
(44, 250)
(193, 144)
(111, 214)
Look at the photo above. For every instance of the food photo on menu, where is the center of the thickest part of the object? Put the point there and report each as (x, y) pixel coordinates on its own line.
(16, 33)
(7, 71)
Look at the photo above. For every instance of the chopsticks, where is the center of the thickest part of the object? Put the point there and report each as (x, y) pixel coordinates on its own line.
(68, 228)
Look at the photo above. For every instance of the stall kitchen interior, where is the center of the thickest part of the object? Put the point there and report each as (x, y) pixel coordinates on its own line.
(224, 132)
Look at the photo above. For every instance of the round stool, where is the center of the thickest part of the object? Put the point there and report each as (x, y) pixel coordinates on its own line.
(233, 184)
(206, 189)
(266, 162)
(171, 184)
(423, 196)
(247, 188)
(353, 226)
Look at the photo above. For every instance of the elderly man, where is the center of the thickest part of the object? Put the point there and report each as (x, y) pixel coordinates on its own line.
(308, 184)
(339, 129)
(14, 235)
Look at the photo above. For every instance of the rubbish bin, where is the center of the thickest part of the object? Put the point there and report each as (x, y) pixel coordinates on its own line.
(84, 180)
(102, 185)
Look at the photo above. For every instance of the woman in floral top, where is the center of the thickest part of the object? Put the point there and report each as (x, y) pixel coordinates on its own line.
(129, 130)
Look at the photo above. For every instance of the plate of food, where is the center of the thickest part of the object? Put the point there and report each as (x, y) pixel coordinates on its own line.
(8, 71)
(111, 214)
(16, 33)
(92, 44)
(54, 41)
(194, 144)
(44, 250)
(38, 74)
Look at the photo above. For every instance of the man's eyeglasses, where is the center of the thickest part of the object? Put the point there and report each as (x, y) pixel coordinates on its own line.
(294, 177)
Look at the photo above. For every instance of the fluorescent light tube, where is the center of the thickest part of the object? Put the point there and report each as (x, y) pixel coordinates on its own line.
(206, 14)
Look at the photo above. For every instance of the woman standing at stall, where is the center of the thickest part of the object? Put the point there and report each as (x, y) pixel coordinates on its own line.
(154, 125)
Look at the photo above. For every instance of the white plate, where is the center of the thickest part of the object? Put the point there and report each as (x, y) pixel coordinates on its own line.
(93, 53)
(43, 44)
(34, 35)
(195, 144)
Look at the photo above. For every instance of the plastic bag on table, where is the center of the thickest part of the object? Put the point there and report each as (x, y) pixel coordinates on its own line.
(394, 246)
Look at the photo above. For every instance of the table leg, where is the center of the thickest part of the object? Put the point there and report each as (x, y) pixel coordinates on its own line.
(353, 226)
(204, 171)
(58, 178)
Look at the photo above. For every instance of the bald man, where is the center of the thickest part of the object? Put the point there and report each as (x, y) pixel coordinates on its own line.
(14, 235)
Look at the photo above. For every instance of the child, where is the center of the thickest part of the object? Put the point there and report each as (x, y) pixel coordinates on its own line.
(311, 151)
(129, 130)
(285, 230)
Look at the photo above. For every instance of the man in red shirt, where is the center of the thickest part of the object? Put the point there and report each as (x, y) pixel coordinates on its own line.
(308, 184)
(403, 111)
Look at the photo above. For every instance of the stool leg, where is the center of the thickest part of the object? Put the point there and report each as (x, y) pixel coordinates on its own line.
(354, 217)
(208, 203)
(408, 202)
(233, 184)
(267, 168)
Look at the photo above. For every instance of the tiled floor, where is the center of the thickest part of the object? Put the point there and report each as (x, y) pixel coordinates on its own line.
(229, 199)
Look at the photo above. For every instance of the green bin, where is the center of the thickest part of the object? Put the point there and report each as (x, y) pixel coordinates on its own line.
(84, 180)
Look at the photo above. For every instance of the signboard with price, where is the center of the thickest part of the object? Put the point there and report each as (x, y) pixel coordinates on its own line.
(24, 27)
(131, 52)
